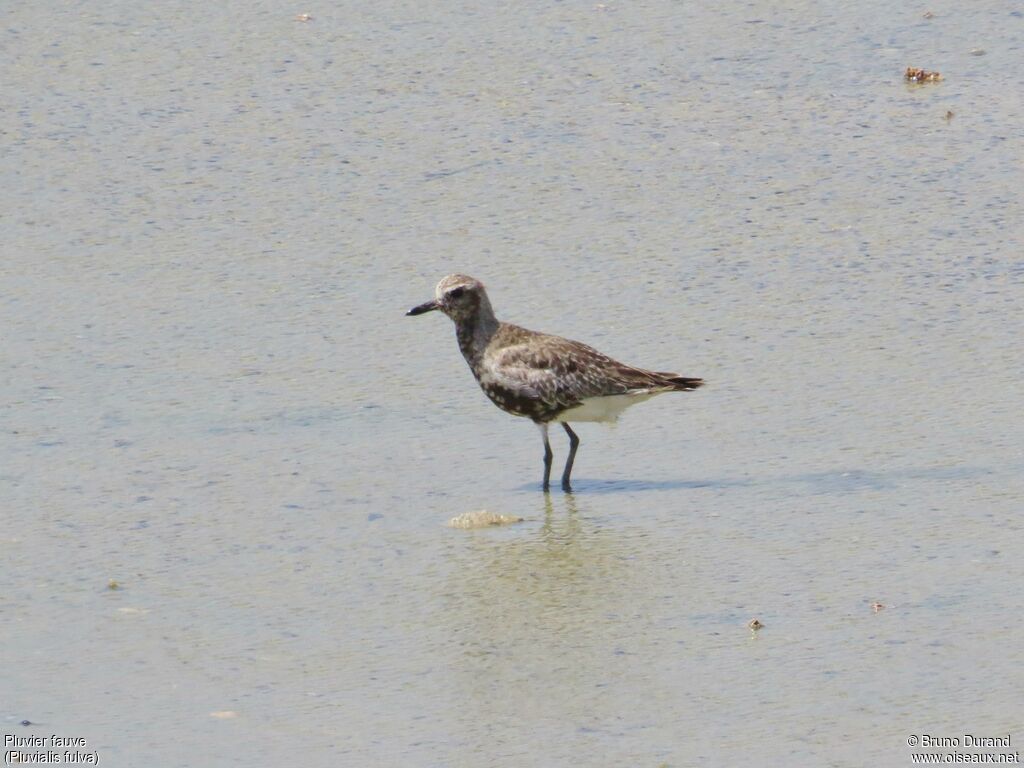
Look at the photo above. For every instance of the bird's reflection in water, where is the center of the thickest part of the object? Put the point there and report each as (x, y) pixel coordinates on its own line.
(529, 606)
(561, 527)
(553, 574)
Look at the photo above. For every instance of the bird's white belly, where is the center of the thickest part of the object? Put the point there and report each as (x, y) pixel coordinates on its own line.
(605, 408)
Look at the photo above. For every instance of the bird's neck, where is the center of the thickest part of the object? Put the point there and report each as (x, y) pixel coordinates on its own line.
(475, 333)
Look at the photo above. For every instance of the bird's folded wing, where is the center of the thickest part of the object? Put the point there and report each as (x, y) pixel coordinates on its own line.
(561, 371)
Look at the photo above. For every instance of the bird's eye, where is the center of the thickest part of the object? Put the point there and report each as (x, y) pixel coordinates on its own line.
(456, 293)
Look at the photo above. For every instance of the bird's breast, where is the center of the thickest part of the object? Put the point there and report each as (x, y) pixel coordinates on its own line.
(513, 400)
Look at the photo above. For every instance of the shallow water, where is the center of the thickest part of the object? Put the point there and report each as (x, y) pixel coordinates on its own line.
(213, 221)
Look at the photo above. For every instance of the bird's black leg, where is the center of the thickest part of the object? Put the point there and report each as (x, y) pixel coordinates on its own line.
(548, 455)
(574, 443)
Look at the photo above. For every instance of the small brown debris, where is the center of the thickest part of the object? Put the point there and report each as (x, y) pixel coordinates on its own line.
(876, 607)
(225, 714)
(949, 114)
(113, 585)
(755, 624)
(929, 14)
(917, 75)
(304, 17)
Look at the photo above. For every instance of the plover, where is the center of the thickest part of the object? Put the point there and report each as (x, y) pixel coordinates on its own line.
(542, 377)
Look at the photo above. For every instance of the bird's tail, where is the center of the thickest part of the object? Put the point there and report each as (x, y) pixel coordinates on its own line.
(680, 383)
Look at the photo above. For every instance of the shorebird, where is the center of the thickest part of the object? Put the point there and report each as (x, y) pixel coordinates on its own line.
(542, 377)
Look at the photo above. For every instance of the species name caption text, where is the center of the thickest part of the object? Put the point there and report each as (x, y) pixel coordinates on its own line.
(958, 746)
(48, 750)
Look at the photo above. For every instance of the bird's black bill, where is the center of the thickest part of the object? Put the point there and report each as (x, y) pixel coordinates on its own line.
(429, 306)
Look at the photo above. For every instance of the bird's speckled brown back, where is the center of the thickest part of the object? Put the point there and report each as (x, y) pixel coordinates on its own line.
(539, 375)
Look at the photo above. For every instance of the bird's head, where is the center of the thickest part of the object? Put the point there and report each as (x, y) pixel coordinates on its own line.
(458, 296)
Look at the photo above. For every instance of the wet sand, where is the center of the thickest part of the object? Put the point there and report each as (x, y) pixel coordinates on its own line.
(213, 221)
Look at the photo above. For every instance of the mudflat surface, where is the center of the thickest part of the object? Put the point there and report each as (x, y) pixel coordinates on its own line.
(214, 218)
